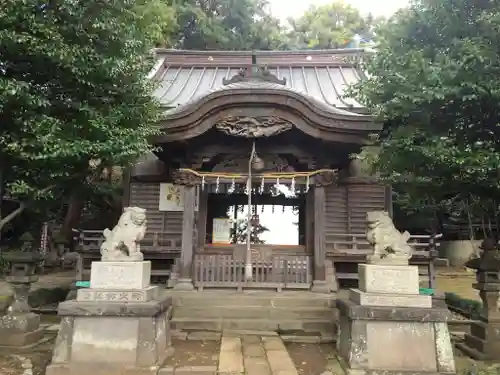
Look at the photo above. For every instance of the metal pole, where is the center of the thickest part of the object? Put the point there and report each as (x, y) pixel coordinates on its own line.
(248, 261)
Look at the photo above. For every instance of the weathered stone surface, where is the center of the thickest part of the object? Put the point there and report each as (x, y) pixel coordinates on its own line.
(125, 338)
(445, 358)
(390, 300)
(121, 243)
(120, 275)
(204, 335)
(383, 236)
(401, 345)
(195, 370)
(374, 278)
(409, 314)
(119, 295)
(231, 357)
(123, 309)
(20, 331)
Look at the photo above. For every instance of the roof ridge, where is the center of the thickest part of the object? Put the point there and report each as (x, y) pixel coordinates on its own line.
(339, 51)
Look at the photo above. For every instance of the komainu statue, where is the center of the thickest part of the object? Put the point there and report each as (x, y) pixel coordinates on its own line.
(390, 246)
(122, 243)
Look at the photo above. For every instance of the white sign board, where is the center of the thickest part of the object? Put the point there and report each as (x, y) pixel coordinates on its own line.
(221, 232)
(172, 198)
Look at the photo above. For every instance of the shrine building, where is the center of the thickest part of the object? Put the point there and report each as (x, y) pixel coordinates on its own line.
(236, 127)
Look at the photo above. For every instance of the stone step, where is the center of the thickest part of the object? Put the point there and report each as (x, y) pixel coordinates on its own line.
(279, 300)
(249, 312)
(322, 327)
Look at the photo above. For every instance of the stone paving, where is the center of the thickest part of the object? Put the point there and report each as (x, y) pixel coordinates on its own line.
(244, 353)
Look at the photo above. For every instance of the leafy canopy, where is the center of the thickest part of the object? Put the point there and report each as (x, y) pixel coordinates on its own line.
(73, 97)
(435, 82)
(225, 25)
(331, 26)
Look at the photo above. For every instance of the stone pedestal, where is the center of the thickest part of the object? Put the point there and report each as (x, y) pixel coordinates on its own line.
(113, 330)
(20, 328)
(387, 326)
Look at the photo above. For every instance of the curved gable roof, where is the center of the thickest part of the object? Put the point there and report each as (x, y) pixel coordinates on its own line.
(184, 76)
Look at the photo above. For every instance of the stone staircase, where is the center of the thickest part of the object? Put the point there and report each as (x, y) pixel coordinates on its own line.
(292, 314)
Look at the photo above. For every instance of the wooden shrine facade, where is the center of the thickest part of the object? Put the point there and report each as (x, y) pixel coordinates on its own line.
(290, 107)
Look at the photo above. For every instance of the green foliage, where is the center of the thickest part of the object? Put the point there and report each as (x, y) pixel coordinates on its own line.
(73, 98)
(158, 20)
(471, 307)
(240, 236)
(434, 82)
(331, 26)
(225, 25)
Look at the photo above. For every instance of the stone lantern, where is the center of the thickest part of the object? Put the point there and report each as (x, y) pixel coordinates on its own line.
(483, 343)
(20, 327)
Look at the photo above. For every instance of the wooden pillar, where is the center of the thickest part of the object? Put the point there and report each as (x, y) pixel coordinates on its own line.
(309, 222)
(319, 274)
(185, 281)
(202, 219)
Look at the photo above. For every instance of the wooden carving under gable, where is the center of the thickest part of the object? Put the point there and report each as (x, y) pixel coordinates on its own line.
(253, 127)
(254, 74)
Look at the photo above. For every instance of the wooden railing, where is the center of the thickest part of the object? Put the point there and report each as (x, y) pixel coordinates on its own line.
(348, 250)
(91, 240)
(279, 272)
(153, 246)
(355, 244)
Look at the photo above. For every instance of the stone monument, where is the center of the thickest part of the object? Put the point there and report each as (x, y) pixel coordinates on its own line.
(386, 325)
(483, 342)
(121, 324)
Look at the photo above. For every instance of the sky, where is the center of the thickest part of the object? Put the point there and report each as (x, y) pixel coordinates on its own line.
(295, 8)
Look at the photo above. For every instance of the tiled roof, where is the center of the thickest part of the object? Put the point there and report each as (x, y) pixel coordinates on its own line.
(187, 76)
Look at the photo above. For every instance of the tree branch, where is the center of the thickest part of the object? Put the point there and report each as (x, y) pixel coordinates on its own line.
(22, 206)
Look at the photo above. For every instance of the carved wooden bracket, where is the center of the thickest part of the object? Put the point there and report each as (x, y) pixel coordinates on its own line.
(185, 178)
(253, 127)
(325, 178)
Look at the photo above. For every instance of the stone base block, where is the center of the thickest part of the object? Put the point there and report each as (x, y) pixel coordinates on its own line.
(112, 338)
(394, 340)
(483, 343)
(21, 340)
(320, 286)
(120, 275)
(20, 331)
(119, 295)
(375, 278)
(390, 300)
(97, 369)
(185, 285)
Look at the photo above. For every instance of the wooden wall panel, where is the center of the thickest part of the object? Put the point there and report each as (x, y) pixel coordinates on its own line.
(166, 227)
(336, 209)
(361, 199)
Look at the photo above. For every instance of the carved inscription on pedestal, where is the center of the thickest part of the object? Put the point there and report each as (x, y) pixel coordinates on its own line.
(388, 279)
(120, 275)
(117, 295)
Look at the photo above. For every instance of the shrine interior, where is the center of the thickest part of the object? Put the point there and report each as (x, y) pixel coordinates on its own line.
(283, 217)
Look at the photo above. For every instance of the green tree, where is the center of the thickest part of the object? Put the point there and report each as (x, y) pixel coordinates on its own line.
(330, 26)
(240, 235)
(225, 25)
(434, 81)
(73, 98)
